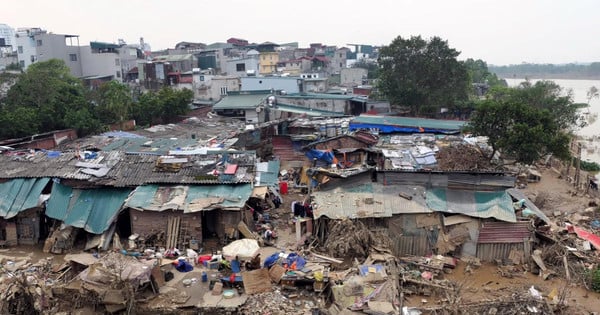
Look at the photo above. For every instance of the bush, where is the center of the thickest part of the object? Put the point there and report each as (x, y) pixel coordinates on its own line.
(594, 279)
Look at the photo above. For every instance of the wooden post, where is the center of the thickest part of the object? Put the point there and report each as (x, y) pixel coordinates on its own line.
(578, 166)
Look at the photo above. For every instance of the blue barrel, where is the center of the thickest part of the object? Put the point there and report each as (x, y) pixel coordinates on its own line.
(204, 276)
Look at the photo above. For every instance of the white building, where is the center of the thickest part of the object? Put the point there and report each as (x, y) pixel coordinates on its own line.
(7, 39)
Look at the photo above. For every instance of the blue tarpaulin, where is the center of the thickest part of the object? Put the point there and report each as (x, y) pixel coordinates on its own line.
(91, 209)
(20, 194)
(326, 156)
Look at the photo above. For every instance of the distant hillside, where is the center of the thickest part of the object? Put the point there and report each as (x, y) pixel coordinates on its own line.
(548, 71)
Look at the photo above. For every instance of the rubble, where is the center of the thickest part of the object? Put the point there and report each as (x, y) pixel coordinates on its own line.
(352, 238)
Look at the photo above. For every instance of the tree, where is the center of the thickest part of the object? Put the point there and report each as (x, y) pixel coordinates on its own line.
(527, 122)
(592, 93)
(422, 74)
(42, 98)
(113, 102)
(371, 67)
(479, 73)
(163, 106)
(174, 103)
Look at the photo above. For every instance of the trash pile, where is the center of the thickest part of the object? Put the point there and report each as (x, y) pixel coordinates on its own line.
(462, 157)
(25, 287)
(352, 238)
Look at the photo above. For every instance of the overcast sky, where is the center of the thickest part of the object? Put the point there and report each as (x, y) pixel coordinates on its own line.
(499, 32)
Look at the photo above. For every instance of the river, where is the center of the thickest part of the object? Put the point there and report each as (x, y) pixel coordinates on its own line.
(591, 133)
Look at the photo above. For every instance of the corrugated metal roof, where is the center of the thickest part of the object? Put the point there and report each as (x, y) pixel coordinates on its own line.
(519, 195)
(20, 194)
(267, 173)
(399, 205)
(91, 209)
(504, 232)
(66, 165)
(307, 111)
(156, 146)
(436, 124)
(358, 201)
(189, 198)
(481, 204)
(241, 101)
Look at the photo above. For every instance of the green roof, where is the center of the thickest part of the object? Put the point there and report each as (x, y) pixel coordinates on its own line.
(91, 209)
(481, 204)
(241, 101)
(409, 122)
(20, 194)
(189, 198)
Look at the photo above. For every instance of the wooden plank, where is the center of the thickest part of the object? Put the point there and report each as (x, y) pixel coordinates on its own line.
(256, 281)
(243, 228)
(333, 260)
(276, 272)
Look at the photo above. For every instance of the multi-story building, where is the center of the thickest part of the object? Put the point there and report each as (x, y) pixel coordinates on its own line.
(35, 44)
(268, 62)
(7, 39)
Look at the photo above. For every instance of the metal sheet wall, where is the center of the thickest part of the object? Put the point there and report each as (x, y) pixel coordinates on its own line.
(492, 251)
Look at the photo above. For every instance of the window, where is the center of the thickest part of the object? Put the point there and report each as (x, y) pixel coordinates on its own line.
(73, 57)
(22, 63)
(117, 62)
(118, 74)
(223, 90)
(240, 67)
(38, 42)
(341, 64)
(20, 49)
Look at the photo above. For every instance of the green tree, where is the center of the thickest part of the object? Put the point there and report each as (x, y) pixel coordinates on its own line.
(479, 73)
(527, 122)
(113, 102)
(50, 92)
(164, 106)
(174, 103)
(422, 74)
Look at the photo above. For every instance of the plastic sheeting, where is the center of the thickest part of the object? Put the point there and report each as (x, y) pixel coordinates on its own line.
(244, 249)
(326, 156)
(481, 204)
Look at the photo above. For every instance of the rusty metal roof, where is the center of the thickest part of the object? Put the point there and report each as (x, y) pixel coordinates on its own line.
(504, 232)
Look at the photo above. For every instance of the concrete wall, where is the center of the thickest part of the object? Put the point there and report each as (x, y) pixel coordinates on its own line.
(250, 64)
(290, 85)
(100, 64)
(54, 46)
(352, 76)
(214, 86)
(332, 105)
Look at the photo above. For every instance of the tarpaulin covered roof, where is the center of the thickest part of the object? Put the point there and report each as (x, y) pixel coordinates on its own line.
(91, 209)
(481, 204)
(20, 194)
(389, 124)
(189, 198)
(357, 199)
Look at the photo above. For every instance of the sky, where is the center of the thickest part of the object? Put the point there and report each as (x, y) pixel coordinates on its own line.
(500, 32)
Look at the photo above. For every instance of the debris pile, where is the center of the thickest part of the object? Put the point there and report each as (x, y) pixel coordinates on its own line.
(352, 238)
(462, 157)
(25, 287)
